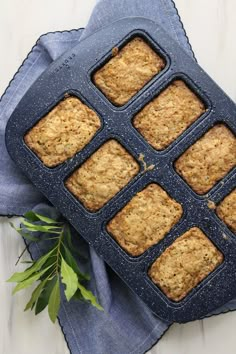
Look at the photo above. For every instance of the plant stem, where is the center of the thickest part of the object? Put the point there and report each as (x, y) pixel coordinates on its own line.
(20, 256)
(59, 250)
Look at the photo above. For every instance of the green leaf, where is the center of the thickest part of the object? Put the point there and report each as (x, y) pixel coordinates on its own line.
(38, 228)
(69, 278)
(50, 261)
(78, 296)
(54, 302)
(28, 236)
(23, 233)
(35, 295)
(41, 228)
(47, 220)
(44, 296)
(32, 216)
(19, 277)
(88, 295)
(68, 239)
(29, 281)
(70, 260)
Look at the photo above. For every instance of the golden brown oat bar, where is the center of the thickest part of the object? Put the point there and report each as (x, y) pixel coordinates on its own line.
(103, 175)
(128, 71)
(167, 116)
(63, 132)
(145, 220)
(184, 264)
(209, 159)
(226, 210)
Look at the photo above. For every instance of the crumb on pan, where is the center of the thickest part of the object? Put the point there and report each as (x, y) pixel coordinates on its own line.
(168, 115)
(145, 220)
(184, 264)
(64, 131)
(226, 210)
(102, 175)
(115, 51)
(146, 167)
(211, 205)
(225, 237)
(209, 159)
(128, 71)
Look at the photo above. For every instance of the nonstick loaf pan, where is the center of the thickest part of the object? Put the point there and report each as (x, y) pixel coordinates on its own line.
(135, 144)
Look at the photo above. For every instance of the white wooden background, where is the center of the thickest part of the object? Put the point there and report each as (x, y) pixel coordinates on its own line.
(211, 27)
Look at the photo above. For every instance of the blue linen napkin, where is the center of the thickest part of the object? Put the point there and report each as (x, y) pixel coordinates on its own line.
(126, 326)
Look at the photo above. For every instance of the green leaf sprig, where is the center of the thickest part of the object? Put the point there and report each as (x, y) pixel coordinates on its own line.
(56, 266)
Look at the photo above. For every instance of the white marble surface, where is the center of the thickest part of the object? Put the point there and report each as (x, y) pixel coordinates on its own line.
(211, 28)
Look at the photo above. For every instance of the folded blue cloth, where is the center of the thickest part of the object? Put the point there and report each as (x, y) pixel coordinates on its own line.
(126, 326)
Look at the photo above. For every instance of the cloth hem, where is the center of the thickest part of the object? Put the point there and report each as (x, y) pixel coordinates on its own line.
(30, 53)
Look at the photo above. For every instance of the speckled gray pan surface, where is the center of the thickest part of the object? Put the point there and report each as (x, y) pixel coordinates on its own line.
(72, 74)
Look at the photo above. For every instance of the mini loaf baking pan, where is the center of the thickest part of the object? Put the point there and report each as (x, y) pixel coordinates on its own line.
(135, 144)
